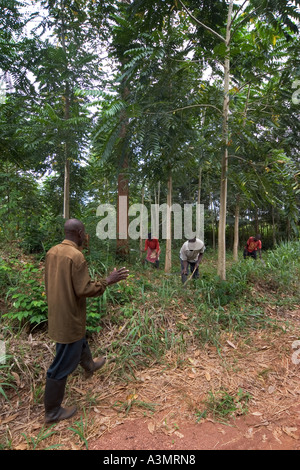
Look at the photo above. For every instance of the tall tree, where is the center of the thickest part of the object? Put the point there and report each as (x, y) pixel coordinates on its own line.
(67, 61)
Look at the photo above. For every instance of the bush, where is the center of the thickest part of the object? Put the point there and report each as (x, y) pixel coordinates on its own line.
(5, 276)
(28, 298)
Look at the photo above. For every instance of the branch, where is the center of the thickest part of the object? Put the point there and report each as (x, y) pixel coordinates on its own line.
(245, 19)
(197, 105)
(202, 24)
(241, 7)
(191, 106)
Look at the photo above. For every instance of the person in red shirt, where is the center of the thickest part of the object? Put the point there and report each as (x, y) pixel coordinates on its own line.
(253, 245)
(153, 250)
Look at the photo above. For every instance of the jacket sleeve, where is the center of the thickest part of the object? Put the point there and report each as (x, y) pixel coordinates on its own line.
(82, 283)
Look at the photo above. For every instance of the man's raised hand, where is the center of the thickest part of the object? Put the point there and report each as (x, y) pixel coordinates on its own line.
(117, 275)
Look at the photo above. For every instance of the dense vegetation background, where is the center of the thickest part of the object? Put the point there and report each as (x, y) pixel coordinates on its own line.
(142, 98)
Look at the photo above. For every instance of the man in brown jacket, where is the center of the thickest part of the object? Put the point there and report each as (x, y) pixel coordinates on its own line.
(68, 284)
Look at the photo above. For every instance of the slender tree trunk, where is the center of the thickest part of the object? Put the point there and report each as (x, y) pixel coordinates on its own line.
(256, 221)
(8, 187)
(67, 189)
(198, 212)
(158, 193)
(237, 208)
(223, 191)
(213, 228)
(67, 169)
(168, 258)
(273, 227)
(155, 228)
(236, 229)
(122, 250)
(199, 186)
(67, 161)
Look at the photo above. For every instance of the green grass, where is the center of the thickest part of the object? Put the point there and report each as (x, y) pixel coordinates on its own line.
(222, 405)
(44, 433)
(150, 314)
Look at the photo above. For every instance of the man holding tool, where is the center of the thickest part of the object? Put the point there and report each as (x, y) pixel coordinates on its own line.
(191, 254)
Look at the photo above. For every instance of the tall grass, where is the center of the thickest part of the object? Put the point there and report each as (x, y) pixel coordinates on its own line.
(151, 314)
(233, 305)
(144, 341)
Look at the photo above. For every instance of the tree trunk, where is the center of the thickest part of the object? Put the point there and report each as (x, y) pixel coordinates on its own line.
(273, 228)
(256, 221)
(199, 186)
(237, 208)
(66, 214)
(236, 229)
(168, 258)
(223, 191)
(213, 228)
(122, 249)
(67, 169)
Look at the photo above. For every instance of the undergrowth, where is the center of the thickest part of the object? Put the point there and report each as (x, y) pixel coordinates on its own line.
(140, 320)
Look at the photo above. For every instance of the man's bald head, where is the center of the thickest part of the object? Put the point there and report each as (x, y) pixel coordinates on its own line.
(74, 231)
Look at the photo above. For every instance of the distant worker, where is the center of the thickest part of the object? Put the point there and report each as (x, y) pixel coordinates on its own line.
(253, 244)
(153, 250)
(191, 255)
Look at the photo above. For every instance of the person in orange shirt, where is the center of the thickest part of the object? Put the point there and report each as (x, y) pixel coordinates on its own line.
(153, 250)
(253, 245)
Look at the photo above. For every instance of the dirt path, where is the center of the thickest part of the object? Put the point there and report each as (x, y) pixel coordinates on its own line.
(159, 407)
(249, 433)
(261, 366)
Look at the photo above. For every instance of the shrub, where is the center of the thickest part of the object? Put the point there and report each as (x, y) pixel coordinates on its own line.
(5, 276)
(28, 298)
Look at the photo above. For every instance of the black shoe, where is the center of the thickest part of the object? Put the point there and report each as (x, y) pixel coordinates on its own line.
(93, 366)
(54, 394)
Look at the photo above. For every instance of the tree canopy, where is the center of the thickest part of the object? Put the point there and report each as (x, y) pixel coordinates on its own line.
(127, 97)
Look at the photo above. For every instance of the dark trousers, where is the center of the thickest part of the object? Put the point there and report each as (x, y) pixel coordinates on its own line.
(192, 267)
(156, 264)
(68, 357)
(253, 254)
